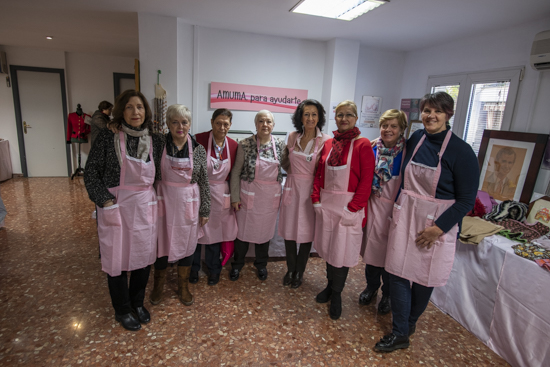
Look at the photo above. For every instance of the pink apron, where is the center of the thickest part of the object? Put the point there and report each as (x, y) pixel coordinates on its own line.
(222, 224)
(260, 201)
(179, 203)
(417, 209)
(128, 230)
(375, 234)
(338, 231)
(296, 218)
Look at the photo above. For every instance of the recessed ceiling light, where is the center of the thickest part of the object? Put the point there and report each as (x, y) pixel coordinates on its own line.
(49, 38)
(343, 9)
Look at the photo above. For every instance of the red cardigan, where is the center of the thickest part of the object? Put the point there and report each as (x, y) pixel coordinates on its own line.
(202, 139)
(76, 128)
(360, 180)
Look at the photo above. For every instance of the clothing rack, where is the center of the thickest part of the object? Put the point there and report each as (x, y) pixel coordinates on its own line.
(79, 170)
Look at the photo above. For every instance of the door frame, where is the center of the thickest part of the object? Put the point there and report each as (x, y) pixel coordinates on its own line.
(18, 117)
(116, 80)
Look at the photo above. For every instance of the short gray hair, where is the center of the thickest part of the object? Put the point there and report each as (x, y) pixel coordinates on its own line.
(264, 112)
(178, 110)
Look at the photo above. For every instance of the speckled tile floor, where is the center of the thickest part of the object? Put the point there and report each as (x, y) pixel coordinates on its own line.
(56, 311)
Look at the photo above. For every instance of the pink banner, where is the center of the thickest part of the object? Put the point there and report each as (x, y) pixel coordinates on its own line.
(255, 98)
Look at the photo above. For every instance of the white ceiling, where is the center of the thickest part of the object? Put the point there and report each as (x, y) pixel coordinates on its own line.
(111, 26)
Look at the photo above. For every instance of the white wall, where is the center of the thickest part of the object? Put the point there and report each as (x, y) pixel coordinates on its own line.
(21, 56)
(246, 58)
(379, 74)
(88, 77)
(506, 48)
(90, 81)
(158, 50)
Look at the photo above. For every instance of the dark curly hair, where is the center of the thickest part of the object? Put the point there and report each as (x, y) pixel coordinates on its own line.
(104, 105)
(297, 116)
(120, 105)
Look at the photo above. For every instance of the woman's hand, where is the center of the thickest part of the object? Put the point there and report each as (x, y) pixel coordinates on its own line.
(236, 205)
(317, 202)
(114, 129)
(428, 236)
(108, 203)
(373, 142)
(203, 221)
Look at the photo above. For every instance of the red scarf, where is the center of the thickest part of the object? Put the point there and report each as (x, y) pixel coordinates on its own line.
(338, 144)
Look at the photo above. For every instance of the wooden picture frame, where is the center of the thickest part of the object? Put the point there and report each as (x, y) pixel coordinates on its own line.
(524, 151)
(539, 211)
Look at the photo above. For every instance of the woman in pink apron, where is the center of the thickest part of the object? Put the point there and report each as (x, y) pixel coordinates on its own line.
(119, 176)
(184, 203)
(341, 191)
(256, 193)
(440, 181)
(222, 226)
(300, 159)
(388, 153)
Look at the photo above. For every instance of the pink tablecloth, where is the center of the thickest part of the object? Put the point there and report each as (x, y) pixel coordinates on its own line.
(502, 299)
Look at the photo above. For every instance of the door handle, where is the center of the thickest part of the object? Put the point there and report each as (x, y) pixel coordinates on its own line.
(25, 126)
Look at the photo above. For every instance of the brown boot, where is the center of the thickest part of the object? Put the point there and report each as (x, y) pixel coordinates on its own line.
(159, 278)
(183, 285)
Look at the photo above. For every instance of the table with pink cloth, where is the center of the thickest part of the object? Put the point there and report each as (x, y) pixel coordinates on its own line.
(501, 298)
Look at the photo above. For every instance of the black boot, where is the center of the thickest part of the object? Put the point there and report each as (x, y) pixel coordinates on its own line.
(384, 307)
(325, 294)
(297, 280)
(392, 342)
(335, 305)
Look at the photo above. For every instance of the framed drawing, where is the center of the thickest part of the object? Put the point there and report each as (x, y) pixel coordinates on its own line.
(509, 163)
(539, 211)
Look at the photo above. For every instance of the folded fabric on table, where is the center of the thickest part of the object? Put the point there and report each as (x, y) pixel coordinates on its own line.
(475, 229)
(544, 263)
(531, 251)
(508, 209)
(522, 232)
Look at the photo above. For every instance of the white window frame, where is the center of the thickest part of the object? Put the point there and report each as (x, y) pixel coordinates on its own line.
(514, 75)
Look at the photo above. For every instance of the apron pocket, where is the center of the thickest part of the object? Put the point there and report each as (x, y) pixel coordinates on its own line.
(276, 201)
(349, 219)
(429, 221)
(152, 213)
(396, 213)
(110, 216)
(226, 201)
(192, 209)
(247, 199)
(287, 196)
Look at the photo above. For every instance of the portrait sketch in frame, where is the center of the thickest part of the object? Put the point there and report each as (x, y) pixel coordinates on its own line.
(509, 164)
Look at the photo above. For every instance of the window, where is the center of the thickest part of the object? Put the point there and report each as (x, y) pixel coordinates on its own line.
(483, 100)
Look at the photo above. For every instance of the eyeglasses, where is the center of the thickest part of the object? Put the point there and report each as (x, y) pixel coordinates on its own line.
(341, 116)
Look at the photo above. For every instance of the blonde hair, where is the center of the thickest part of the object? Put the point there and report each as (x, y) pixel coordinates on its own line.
(178, 110)
(347, 103)
(395, 114)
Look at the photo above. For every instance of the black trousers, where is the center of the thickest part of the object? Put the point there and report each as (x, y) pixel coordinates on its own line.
(337, 277)
(162, 262)
(373, 274)
(211, 258)
(297, 262)
(241, 248)
(125, 297)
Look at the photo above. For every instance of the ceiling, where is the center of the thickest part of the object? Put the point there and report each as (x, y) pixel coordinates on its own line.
(111, 26)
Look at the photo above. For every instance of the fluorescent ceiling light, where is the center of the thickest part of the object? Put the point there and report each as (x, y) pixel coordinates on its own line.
(337, 9)
(49, 37)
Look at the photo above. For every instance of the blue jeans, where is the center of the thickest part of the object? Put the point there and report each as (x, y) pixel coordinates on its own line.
(407, 303)
(373, 274)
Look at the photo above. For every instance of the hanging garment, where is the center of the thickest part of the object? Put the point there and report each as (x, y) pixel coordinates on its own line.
(297, 218)
(77, 130)
(260, 200)
(417, 209)
(179, 202)
(128, 230)
(338, 231)
(222, 224)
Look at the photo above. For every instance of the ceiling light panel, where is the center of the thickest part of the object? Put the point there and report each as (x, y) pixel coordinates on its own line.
(339, 9)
